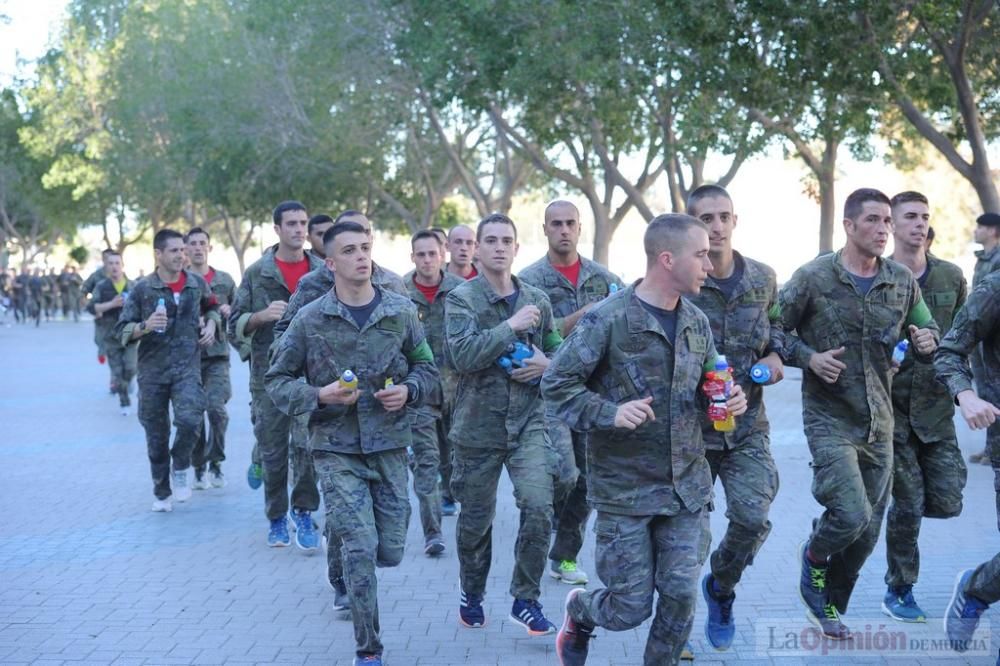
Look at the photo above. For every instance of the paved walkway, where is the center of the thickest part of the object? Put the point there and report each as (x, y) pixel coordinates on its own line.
(89, 576)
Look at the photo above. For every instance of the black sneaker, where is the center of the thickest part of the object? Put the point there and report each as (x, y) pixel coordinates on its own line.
(470, 612)
(819, 610)
(434, 546)
(573, 639)
(341, 600)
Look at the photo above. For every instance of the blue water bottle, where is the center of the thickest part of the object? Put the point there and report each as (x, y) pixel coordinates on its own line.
(899, 352)
(760, 374)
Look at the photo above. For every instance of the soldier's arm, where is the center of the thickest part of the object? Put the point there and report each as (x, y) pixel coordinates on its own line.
(239, 315)
(127, 328)
(282, 379)
(793, 300)
(977, 319)
(776, 340)
(295, 304)
(927, 332)
(471, 349)
(423, 377)
(551, 338)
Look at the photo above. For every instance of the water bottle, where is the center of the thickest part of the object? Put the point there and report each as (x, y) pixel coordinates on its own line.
(389, 383)
(124, 296)
(760, 374)
(348, 380)
(161, 307)
(613, 288)
(719, 388)
(899, 353)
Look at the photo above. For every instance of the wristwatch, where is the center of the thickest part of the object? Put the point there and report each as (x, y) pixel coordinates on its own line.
(142, 326)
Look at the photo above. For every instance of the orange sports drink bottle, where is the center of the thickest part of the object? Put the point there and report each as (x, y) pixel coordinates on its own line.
(718, 387)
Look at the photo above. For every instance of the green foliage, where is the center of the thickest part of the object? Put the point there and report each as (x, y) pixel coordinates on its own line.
(79, 255)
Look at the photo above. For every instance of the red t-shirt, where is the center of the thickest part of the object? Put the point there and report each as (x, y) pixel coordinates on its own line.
(571, 273)
(178, 287)
(292, 272)
(210, 275)
(473, 274)
(428, 292)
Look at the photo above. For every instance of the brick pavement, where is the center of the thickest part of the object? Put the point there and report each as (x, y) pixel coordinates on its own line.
(89, 576)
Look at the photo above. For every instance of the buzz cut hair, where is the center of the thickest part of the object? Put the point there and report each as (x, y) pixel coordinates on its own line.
(196, 230)
(341, 228)
(163, 236)
(705, 192)
(494, 218)
(907, 197)
(857, 199)
(560, 203)
(284, 207)
(668, 233)
(426, 233)
(317, 219)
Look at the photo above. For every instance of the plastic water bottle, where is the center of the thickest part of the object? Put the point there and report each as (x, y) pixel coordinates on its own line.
(389, 383)
(348, 380)
(899, 352)
(613, 288)
(161, 307)
(721, 386)
(760, 374)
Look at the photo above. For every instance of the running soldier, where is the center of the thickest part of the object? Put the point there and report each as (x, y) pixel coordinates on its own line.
(109, 298)
(987, 234)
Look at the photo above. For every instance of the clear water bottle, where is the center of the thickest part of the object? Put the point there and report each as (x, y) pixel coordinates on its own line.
(161, 307)
(899, 352)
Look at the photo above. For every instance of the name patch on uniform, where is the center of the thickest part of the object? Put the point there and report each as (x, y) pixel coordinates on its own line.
(392, 324)
(697, 343)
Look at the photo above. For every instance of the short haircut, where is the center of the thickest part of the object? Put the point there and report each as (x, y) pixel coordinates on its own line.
(858, 198)
(164, 235)
(111, 253)
(106, 251)
(319, 218)
(350, 212)
(494, 218)
(196, 230)
(341, 228)
(907, 197)
(284, 207)
(705, 192)
(426, 233)
(561, 202)
(668, 233)
(456, 228)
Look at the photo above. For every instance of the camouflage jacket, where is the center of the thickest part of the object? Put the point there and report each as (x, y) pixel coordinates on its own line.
(618, 352)
(262, 283)
(491, 409)
(824, 308)
(103, 292)
(745, 328)
(986, 262)
(920, 403)
(977, 322)
(224, 288)
(431, 315)
(322, 341)
(91, 282)
(166, 357)
(593, 285)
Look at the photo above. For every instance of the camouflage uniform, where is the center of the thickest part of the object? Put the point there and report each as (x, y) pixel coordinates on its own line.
(87, 288)
(169, 365)
(122, 359)
(497, 422)
(745, 328)
(651, 487)
(211, 445)
(569, 449)
(427, 422)
(985, 582)
(976, 324)
(359, 450)
(263, 283)
(928, 471)
(70, 285)
(849, 424)
(986, 263)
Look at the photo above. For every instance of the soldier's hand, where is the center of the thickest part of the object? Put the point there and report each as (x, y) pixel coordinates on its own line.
(634, 413)
(273, 311)
(157, 321)
(525, 318)
(737, 403)
(393, 398)
(207, 333)
(826, 366)
(117, 302)
(777, 368)
(977, 412)
(225, 309)
(533, 368)
(336, 393)
(923, 340)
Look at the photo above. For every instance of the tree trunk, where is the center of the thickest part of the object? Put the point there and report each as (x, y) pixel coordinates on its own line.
(986, 188)
(827, 176)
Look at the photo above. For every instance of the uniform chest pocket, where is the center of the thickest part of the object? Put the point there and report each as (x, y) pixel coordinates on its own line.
(886, 312)
(826, 329)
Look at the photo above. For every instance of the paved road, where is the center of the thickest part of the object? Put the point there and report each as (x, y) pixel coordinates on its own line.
(89, 576)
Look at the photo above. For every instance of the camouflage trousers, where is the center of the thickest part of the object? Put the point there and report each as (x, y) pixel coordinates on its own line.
(426, 468)
(445, 454)
(993, 447)
(211, 444)
(985, 582)
(474, 484)
(852, 481)
(635, 556)
(272, 429)
(122, 362)
(750, 480)
(155, 400)
(927, 482)
(568, 459)
(367, 496)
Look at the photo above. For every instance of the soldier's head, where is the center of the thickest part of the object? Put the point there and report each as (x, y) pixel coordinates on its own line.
(497, 239)
(116, 266)
(987, 231)
(441, 234)
(427, 255)
(867, 221)
(911, 220)
(462, 246)
(677, 252)
(105, 253)
(290, 224)
(348, 248)
(562, 228)
(714, 207)
(318, 224)
(168, 248)
(198, 244)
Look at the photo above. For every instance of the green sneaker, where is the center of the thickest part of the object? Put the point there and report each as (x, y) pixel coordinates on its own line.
(567, 572)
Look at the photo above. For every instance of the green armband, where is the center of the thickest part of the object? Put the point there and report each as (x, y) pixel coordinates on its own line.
(551, 340)
(919, 315)
(421, 353)
(710, 364)
(774, 312)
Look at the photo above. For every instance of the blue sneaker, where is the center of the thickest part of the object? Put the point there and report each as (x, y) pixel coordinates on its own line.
(470, 612)
(687, 652)
(255, 476)
(277, 536)
(573, 639)
(720, 628)
(812, 591)
(528, 614)
(305, 531)
(448, 507)
(368, 660)
(899, 604)
(962, 616)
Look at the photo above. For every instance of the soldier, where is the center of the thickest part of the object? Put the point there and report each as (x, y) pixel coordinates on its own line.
(318, 224)
(573, 285)
(109, 298)
(740, 298)
(849, 309)
(37, 288)
(169, 361)
(52, 300)
(498, 421)
(261, 300)
(629, 374)
(69, 285)
(428, 286)
(462, 246)
(21, 294)
(358, 435)
(86, 290)
(211, 445)
(928, 471)
(976, 326)
(987, 234)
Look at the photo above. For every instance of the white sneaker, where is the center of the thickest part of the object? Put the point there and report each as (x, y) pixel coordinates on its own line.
(162, 506)
(217, 479)
(200, 483)
(125, 411)
(181, 490)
